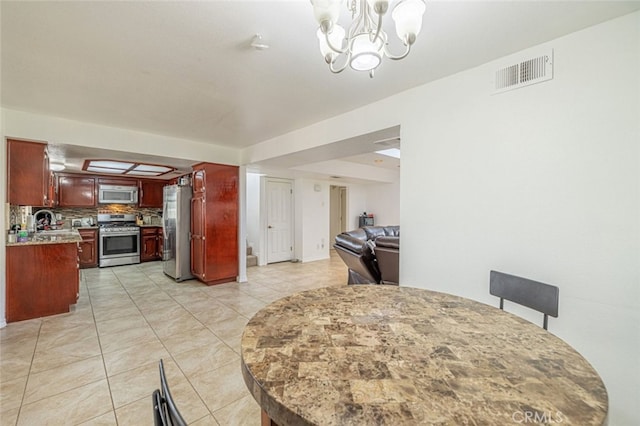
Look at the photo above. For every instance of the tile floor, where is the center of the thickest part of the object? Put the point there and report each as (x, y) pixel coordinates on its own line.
(98, 365)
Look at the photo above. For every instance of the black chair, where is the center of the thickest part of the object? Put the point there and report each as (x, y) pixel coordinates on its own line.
(532, 294)
(165, 412)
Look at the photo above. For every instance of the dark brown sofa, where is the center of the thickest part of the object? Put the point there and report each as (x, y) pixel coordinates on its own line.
(387, 253)
(357, 250)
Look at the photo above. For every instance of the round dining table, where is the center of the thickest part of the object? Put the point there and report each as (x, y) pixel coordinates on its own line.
(389, 355)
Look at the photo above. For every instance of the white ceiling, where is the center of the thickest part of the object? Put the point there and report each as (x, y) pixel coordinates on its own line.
(185, 69)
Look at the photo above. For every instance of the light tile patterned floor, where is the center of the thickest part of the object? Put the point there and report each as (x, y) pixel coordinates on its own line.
(98, 365)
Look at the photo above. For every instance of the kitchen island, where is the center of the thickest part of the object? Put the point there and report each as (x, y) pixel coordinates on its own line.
(42, 275)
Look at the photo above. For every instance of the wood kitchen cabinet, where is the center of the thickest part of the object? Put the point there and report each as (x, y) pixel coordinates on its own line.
(76, 190)
(151, 193)
(88, 248)
(214, 223)
(28, 173)
(118, 181)
(41, 280)
(151, 243)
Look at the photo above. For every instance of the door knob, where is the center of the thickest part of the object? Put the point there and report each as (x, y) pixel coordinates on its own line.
(269, 226)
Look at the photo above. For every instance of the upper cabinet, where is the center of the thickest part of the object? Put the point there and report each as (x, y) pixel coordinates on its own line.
(76, 190)
(151, 193)
(123, 181)
(28, 173)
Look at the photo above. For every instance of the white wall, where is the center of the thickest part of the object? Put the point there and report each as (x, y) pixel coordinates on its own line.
(253, 212)
(356, 204)
(383, 200)
(542, 182)
(26, 125)
(312, 216)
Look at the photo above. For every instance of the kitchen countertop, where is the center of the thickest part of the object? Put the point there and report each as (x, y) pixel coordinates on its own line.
(379, 354)
(67, 237)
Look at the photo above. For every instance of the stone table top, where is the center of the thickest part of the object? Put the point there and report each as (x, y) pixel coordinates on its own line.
(376, 354)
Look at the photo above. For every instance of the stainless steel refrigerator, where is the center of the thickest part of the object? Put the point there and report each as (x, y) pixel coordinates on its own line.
(176, 227)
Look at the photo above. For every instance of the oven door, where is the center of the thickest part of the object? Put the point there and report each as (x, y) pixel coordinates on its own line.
(115, 245)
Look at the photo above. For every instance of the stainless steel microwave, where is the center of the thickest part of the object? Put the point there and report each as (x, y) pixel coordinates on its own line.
(117, 194)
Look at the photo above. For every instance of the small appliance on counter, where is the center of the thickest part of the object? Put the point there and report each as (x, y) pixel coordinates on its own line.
(86, 221)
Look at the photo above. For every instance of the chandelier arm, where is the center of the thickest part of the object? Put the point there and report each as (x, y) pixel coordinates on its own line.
(396, 58)
(358, 21)
(337, 70)
(378, 29)
(338, 51)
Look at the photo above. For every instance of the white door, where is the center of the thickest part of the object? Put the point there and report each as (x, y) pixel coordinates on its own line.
(279, 200)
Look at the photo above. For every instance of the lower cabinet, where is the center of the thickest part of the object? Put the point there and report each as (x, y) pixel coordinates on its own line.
(41, 279)
(151, 239)
(88, 248)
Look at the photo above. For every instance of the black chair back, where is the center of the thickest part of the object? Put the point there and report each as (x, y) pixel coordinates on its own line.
(165, 412)
(532, 294)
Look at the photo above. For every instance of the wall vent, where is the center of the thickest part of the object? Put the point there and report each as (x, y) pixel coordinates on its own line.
(525, 73)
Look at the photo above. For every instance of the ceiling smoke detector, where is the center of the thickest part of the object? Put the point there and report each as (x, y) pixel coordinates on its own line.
(258, 44)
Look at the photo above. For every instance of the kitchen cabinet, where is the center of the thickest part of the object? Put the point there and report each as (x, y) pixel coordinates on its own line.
(214, 223)
(27, 173)
(52, 191)
(151, 243)
(118, 181)
(88, 248)
(41, 280)
(76, 190)
(151, 193)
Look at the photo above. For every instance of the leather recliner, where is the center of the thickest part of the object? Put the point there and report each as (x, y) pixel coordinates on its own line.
(356, 248)
(388, 256)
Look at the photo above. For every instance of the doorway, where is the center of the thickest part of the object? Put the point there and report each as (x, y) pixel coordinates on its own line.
(337, 211)
(279, 220)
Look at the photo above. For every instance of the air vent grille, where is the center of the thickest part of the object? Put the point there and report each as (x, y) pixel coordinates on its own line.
(524, 73)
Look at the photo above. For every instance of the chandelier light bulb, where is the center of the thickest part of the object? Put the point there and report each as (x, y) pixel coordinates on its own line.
(326, 10)
(379, 6)
(408, 18)
(365, 55)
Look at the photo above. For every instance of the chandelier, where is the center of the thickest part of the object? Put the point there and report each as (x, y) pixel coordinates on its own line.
(366, 42)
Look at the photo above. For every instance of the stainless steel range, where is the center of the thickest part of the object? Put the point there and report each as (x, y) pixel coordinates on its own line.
(119, 239)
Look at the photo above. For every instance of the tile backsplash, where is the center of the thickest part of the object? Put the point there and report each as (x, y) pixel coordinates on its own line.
(77, 213)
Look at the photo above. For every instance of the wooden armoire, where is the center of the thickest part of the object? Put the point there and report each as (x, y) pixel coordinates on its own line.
(214, 223)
